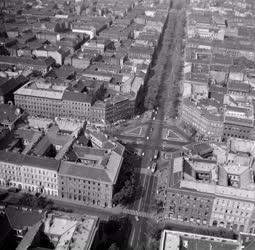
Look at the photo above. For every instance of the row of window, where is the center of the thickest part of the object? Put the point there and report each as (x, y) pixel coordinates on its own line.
(85, 199)
(33, 182)
(85, 188)
(80, 181)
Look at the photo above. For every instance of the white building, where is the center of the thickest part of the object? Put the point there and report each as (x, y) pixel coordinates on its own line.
(34, 174)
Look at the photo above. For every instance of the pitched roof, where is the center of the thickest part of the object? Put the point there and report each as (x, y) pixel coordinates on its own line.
(6, 87)
(77, 97)
(5, 227)
(19, 218)
(28, 160)
(80, 171)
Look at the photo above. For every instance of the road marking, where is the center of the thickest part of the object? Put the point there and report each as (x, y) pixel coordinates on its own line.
(132, 237)
(139, 204)
(138, 240)
(147, 190)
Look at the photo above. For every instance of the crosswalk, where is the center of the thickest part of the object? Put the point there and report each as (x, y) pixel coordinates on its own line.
(138, 213)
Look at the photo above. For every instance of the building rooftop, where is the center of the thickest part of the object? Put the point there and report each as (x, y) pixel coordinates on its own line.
(64, 231)
(174, 240)
(9, 114)
(238, 86)
(235, 169)
(28, 160)
(26, 61)
(41, 88)
(202, 165)
(6, 87)
(107, 172)
(21, 218)
(243, 146)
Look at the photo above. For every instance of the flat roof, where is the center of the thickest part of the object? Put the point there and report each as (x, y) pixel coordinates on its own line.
(235, 169)
(182, 241)
(73, 232)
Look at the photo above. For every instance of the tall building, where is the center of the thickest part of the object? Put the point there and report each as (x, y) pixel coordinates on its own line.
(51, 98)
(204, 116)
(238, 117)
(90, 175)
(33, 174)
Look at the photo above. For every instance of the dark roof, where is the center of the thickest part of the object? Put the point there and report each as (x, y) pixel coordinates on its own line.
(218, 89)
(42, 146)
(28, 238)
(250, 246)
(28, 160)
(77, 97)
(41, 162)
(8, 114)
(81, 171)
(7, 87)
(238, 121)
(19, 218)
(5, 227)
(203, 148)
(26, 60)
(10, 157)
(239, 86)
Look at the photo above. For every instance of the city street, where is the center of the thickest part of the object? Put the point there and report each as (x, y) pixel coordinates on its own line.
(155, 132)
(148, 181)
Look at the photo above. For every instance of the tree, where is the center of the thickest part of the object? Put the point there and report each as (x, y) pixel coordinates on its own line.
(4, 51)
(113, 247)
(30, 200)
(126, 186)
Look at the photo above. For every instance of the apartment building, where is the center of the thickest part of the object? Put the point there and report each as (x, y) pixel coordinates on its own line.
(205, 118)
(188, 206)
(33, 174)
(76, 105)
(238, 117)
(113, 109)
(232, 213)
(90, 178)
(40, 98)
(50, 99)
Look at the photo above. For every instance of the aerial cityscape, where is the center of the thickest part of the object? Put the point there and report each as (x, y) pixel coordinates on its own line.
(127, 124)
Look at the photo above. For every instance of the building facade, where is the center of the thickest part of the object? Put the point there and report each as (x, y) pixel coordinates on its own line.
(92, 181)
(208, 123)
(29, 173)
(231, 213)
(188, 207)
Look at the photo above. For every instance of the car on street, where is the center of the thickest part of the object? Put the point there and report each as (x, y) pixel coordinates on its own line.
(154, 118)
(153, 167)
(136, 218)
(149, 167)
(142, 153)
(156, 154)
(147, 138)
